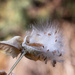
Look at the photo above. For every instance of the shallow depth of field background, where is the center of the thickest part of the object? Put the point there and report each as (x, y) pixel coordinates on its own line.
(16, 16)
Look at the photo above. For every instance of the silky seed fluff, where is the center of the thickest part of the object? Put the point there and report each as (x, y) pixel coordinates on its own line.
(47, 38)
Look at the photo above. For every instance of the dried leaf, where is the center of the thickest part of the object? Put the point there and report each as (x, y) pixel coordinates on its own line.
(9, 50)
(12, 47)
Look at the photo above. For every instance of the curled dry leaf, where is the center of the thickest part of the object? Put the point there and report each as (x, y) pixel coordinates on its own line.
(11, 47)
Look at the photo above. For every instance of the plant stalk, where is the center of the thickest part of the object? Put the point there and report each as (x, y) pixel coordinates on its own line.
(16, 62)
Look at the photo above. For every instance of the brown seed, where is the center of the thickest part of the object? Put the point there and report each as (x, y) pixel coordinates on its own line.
(48, 50)
(38, 34)
(54, 52)
(46, 61)
(45, 58)
(35, 44)
(56, 40)
(60, 55)
(42, 56)
(54, 62)
(55, 32)
(27, 41)
(43, 46)
(49, 34)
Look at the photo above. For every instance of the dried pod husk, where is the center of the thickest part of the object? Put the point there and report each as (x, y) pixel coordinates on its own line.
(9, 50)
(12, 47)
(45, 43)
(34, 54)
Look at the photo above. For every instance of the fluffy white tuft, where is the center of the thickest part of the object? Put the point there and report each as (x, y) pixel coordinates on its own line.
(47, 38)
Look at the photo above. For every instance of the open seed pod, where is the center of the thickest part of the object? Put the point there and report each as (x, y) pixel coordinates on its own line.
(44, 44)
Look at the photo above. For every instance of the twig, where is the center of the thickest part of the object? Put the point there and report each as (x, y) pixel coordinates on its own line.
(16, 63)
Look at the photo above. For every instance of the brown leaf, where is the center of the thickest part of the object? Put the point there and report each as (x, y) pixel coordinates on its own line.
(9, 50)
(11, 47)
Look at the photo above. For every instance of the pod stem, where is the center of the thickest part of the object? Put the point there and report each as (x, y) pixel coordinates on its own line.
(16, 62)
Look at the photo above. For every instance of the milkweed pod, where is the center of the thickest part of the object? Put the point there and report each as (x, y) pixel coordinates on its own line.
(12, 47)
(48, 44)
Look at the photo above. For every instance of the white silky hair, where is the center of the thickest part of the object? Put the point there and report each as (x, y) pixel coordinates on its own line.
(52, 39)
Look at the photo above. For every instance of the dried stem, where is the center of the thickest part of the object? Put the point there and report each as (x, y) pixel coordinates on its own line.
(16, 63)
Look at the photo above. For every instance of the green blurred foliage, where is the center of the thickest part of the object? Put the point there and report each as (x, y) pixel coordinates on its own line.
(16, 16)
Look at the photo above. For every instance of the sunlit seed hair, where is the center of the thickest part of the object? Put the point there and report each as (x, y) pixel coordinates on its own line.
(47, 37)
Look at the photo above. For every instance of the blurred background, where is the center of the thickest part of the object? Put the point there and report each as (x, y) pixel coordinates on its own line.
(16, 17)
